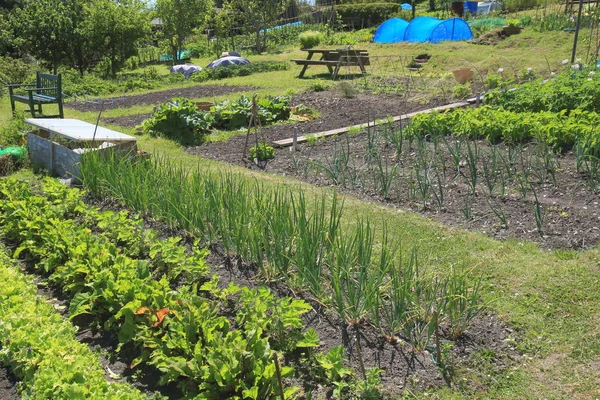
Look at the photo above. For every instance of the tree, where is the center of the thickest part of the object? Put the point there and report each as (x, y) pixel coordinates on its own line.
(45, 28)
(260, 14)
(179, 18)
(112, 29)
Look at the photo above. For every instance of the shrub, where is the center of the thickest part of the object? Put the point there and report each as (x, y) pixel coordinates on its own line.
(310, 39)
(236, 114)
(461, 91)
(13, 133)
(13, 71)
(238, 70)
(179, 120)
(262, 152)
(370, 13)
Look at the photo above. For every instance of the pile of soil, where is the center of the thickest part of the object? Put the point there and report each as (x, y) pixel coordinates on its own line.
(491, 37)
(156, 98)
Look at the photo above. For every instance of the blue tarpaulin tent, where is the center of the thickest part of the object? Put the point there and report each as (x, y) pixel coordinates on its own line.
(427, 29)
(391, 31)
(406, 6)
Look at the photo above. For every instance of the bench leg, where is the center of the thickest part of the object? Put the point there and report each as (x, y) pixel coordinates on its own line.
(60, 109)
(12, 106)
(40, 109)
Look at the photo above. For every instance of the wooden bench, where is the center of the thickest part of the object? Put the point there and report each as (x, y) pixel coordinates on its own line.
(46, 90)
(334, 60)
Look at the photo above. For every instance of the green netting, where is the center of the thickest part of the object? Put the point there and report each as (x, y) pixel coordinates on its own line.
(17, 152)
(487, 23)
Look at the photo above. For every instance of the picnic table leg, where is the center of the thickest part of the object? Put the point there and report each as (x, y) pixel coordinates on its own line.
(305, 65)
(303, 71)
(362, 67)
(337, 70)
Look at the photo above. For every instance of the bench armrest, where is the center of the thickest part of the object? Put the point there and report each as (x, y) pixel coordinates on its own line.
(41, 89)
(12, 85)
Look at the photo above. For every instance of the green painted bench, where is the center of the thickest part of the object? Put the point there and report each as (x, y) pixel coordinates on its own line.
(46, 90)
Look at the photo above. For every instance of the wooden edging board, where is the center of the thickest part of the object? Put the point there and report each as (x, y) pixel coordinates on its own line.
(303, 138)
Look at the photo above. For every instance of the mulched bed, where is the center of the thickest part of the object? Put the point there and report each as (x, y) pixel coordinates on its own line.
(8, 385)
(156, 98)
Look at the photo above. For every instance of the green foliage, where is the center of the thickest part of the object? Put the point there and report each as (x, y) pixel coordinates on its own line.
(14, 132)
(41, 349)
(261, 152)
(558, 130)
(179, 120)
(179, 19)
(318, 87)
(238, 70)
(310, 39)
(461, 91)
(178, 332)
(13, 71)
(570, 90)
(371, 13)
(236, 114)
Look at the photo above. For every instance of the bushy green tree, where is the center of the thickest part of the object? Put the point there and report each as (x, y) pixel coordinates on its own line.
(45, 29)
(179, 19)
(260, 15)
(112, 29)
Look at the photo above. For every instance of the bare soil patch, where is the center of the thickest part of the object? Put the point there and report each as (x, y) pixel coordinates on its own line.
(156, 98)
(8, 385)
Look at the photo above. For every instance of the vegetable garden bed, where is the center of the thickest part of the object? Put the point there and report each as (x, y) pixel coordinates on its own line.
(511, 170)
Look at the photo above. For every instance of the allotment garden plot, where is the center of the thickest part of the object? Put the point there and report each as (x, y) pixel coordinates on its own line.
(525, 166)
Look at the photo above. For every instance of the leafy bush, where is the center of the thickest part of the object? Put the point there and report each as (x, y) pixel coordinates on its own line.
(310, 39)
(13, 71)
(238, 70)
(179, 120)
(370, 13)
(262, 152)
(461, 91)
(13, 133)
(568, 91)
(236, 114)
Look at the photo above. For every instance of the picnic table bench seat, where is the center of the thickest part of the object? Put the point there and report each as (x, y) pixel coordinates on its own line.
(334, 60)
(46, 90)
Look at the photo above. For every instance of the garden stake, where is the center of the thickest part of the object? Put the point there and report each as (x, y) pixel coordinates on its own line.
(278, 371)
(254, 121)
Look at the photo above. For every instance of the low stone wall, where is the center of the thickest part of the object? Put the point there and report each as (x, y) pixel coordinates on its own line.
(60, 160)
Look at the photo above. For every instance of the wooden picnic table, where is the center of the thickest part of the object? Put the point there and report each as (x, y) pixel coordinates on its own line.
(334, 59)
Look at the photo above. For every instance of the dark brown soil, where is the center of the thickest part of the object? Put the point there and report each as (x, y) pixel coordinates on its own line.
(156, 98)
(570, 211)
(336, 112)
(8, 385)
(491, 37)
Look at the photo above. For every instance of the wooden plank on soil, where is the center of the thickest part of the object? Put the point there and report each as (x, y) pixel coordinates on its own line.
(302, 139)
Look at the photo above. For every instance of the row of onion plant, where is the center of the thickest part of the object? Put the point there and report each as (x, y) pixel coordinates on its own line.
(298, 240)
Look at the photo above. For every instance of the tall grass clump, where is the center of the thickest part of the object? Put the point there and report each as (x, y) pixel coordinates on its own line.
(310, 39)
